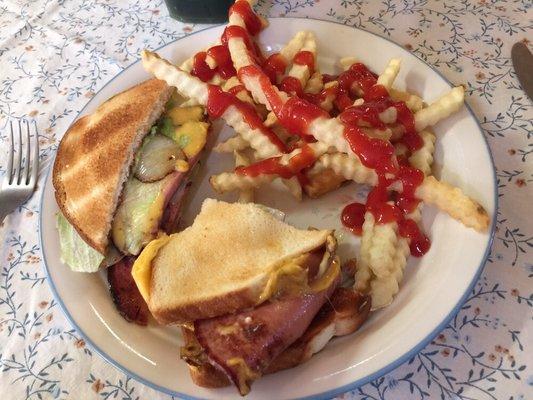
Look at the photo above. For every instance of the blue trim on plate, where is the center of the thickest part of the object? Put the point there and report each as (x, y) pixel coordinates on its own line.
(331, 393)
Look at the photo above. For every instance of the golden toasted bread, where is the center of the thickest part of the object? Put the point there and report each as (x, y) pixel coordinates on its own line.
(228, 260)
(95, 155)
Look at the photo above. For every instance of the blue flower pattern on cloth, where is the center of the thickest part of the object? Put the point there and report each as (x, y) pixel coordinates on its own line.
(56, 54)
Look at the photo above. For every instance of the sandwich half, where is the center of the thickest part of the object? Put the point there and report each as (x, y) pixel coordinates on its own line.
(244, 286)
(120, 176)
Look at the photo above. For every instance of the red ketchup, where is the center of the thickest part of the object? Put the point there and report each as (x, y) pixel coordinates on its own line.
(353, 216)
(200, 69)
(322, 96)
(236, 89)
(291, 85)
(419, 243)
(385, 210)
(251, 20)
(297, 114)
(218, 101)
(222, 57)
(234, 31)
(274, 67)
(273, 166)
(374, 153)
(270, 91)
(356, 78)
(305, 58)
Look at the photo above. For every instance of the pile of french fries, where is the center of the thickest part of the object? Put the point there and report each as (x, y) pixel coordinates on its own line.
(383, 253)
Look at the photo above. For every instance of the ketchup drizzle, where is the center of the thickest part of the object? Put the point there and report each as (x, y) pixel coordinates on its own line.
(251, 20)
(222, 56)
(273, 166)
(274, 67)
(200, 69)
(292, 85)
(306, 58)
(297, 114)
(218, 101)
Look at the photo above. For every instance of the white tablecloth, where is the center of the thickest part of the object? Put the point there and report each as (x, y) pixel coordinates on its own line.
(54, 55)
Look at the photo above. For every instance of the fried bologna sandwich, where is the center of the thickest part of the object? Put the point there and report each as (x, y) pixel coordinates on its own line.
(121, 173)
(252, 294)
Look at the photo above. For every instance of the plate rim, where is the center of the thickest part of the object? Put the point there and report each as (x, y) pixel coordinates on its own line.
(338, 390)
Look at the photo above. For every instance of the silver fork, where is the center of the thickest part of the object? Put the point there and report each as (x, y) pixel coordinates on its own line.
(20, 179)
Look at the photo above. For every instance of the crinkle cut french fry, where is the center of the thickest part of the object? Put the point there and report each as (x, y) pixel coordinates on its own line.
(349, 167)
(388, 76)
(314, 83)
(381, 289)
(384, 289)
(363, 274)
(187, 85)
(440, 109)
(454, 202)
(294, 187)
(261, 144)
(242, 95)
(232, 144)
(245, 195)
(302, 72)
(321, 180)
(413, 102)
(383, 248)
(293, 46)
(230, 181)
(330, 131)
(423, 157)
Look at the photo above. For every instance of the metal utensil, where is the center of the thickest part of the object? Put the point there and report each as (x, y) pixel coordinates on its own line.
(523, 66)
(21, 176)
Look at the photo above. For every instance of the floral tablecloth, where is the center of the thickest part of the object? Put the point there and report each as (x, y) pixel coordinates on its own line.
(54, 56)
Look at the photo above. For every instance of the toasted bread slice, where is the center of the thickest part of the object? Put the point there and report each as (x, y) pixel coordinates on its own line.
(95, 155)
(228, 260)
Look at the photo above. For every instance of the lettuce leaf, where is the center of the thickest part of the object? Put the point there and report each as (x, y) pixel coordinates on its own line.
(77, 254)
(138, 215)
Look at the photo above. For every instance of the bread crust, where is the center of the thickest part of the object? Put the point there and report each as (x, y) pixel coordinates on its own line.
(208, 308)
(95, 155)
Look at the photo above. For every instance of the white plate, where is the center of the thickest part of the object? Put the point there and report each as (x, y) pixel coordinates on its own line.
(432, 291)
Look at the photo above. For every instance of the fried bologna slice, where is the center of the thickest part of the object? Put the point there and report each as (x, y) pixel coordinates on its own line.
(342, 315)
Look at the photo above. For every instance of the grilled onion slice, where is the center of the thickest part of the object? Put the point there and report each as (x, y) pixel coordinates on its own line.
(156, 158)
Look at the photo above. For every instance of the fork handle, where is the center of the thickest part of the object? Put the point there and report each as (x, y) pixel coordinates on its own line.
(4, 212)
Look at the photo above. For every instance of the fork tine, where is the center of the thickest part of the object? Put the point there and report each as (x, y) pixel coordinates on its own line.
(35, 165)
(9, 171)
(27, 163)
(19, 171)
